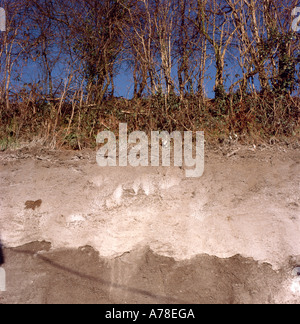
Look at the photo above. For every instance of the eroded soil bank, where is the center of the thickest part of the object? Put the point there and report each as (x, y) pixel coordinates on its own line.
(150, 235)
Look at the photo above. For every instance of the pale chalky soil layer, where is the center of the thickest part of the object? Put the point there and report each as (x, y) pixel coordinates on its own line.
(151, 230)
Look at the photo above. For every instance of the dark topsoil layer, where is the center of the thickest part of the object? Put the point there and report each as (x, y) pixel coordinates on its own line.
(36, 274)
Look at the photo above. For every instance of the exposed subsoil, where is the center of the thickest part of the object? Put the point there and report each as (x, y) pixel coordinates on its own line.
(76, 233)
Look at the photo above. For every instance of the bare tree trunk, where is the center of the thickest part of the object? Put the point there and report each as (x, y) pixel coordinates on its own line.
(164, 22)
(259, 58)
(183, 65)
(219, 36)
(202, 70)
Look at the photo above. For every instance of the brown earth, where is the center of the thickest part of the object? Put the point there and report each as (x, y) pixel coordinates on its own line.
(80, 276)
(77, 233)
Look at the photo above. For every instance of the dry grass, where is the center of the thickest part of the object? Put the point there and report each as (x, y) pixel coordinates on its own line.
(71, 124)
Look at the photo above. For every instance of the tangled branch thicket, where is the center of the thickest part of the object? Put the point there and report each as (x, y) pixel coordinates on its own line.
(60, 61)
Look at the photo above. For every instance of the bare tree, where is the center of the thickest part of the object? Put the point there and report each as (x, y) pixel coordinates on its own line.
(140, 36)
(265, 40)
(93, 37)
(188, 49)
(47, 41)
(13, 45)
(164, 23)
(214, 23)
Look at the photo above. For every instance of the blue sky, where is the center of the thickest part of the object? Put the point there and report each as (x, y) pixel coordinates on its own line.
(124, 80)
(124, 85)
